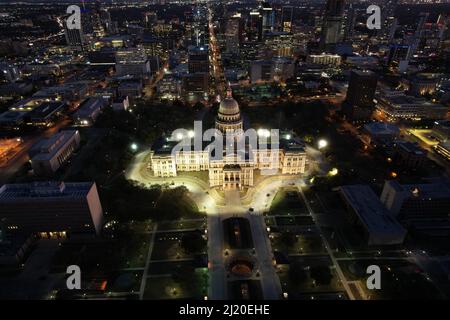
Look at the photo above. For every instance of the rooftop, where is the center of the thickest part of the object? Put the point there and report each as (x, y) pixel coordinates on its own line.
(50, 189)
(370, 209)
(46, 109)
(47, 148)
(411, 148)
(422, 191)
(377, 128)
(89, 106)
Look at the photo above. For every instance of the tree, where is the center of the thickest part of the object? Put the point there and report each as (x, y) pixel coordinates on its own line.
(198, 106)
(288, 239)
(174, 204)
(297, 274)
(184, 275)
(321, 274)
(193, 242)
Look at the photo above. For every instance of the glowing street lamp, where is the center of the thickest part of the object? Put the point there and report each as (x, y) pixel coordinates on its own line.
(322, 143)
(263, 133)
(333, 172)
(134, 147)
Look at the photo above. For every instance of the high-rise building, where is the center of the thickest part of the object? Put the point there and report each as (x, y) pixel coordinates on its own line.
(416, 39)
(105, 20)
(75, 38)
(388, 20)
(150, 19)
(255, 26)
(358, 104)
(132, 62)
(233, 34)
(332, 23)
(9, 72)
(444, 26)
(287, 15)
(350, 22)
(261, 71)
(198, 59)
(268, 18)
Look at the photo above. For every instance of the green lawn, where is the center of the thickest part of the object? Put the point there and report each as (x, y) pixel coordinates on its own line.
(309, 244)
(287, 202)
(191, 285)
(308, 285)
(400, 279)
(182, 224)
(168, 249)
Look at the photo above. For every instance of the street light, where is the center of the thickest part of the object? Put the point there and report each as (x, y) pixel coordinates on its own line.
(322, 143)
(333, 172)
(134, 147)
(263, 133)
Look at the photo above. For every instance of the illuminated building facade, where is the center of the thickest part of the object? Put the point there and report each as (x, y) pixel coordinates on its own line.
(235, 170)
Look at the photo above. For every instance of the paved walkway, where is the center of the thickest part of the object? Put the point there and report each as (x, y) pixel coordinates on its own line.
(147, 263)
(328, 248)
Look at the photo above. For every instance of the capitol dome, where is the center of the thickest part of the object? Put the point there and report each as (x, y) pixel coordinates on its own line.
(229, 106)
(229, 119)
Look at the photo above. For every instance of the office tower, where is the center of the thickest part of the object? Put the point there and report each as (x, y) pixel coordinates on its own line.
(397, 54)
(58, 208)
(358, 104)
(287, 14)
(198, 60)
(415, 41)
(444, 26)
(109, 26)
(388, 19)
(332, 23)
(268, 18)
(255, 26)
(416, 201)
(87, 18)
(261, 71)
(74, 37)
(105, 17)
(150, 19)
(132, 62)
(350, 22)
(8, 72)
(392, 30)
(234, 33)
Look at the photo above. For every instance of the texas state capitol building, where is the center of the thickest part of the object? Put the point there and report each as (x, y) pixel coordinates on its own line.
(230, 171)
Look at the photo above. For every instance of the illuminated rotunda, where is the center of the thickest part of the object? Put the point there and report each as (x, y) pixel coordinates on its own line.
(230, 171)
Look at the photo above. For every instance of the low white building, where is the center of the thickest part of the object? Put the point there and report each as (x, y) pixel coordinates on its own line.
(399, 106)
(48, 155)
(88, 112)
(324, 59)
